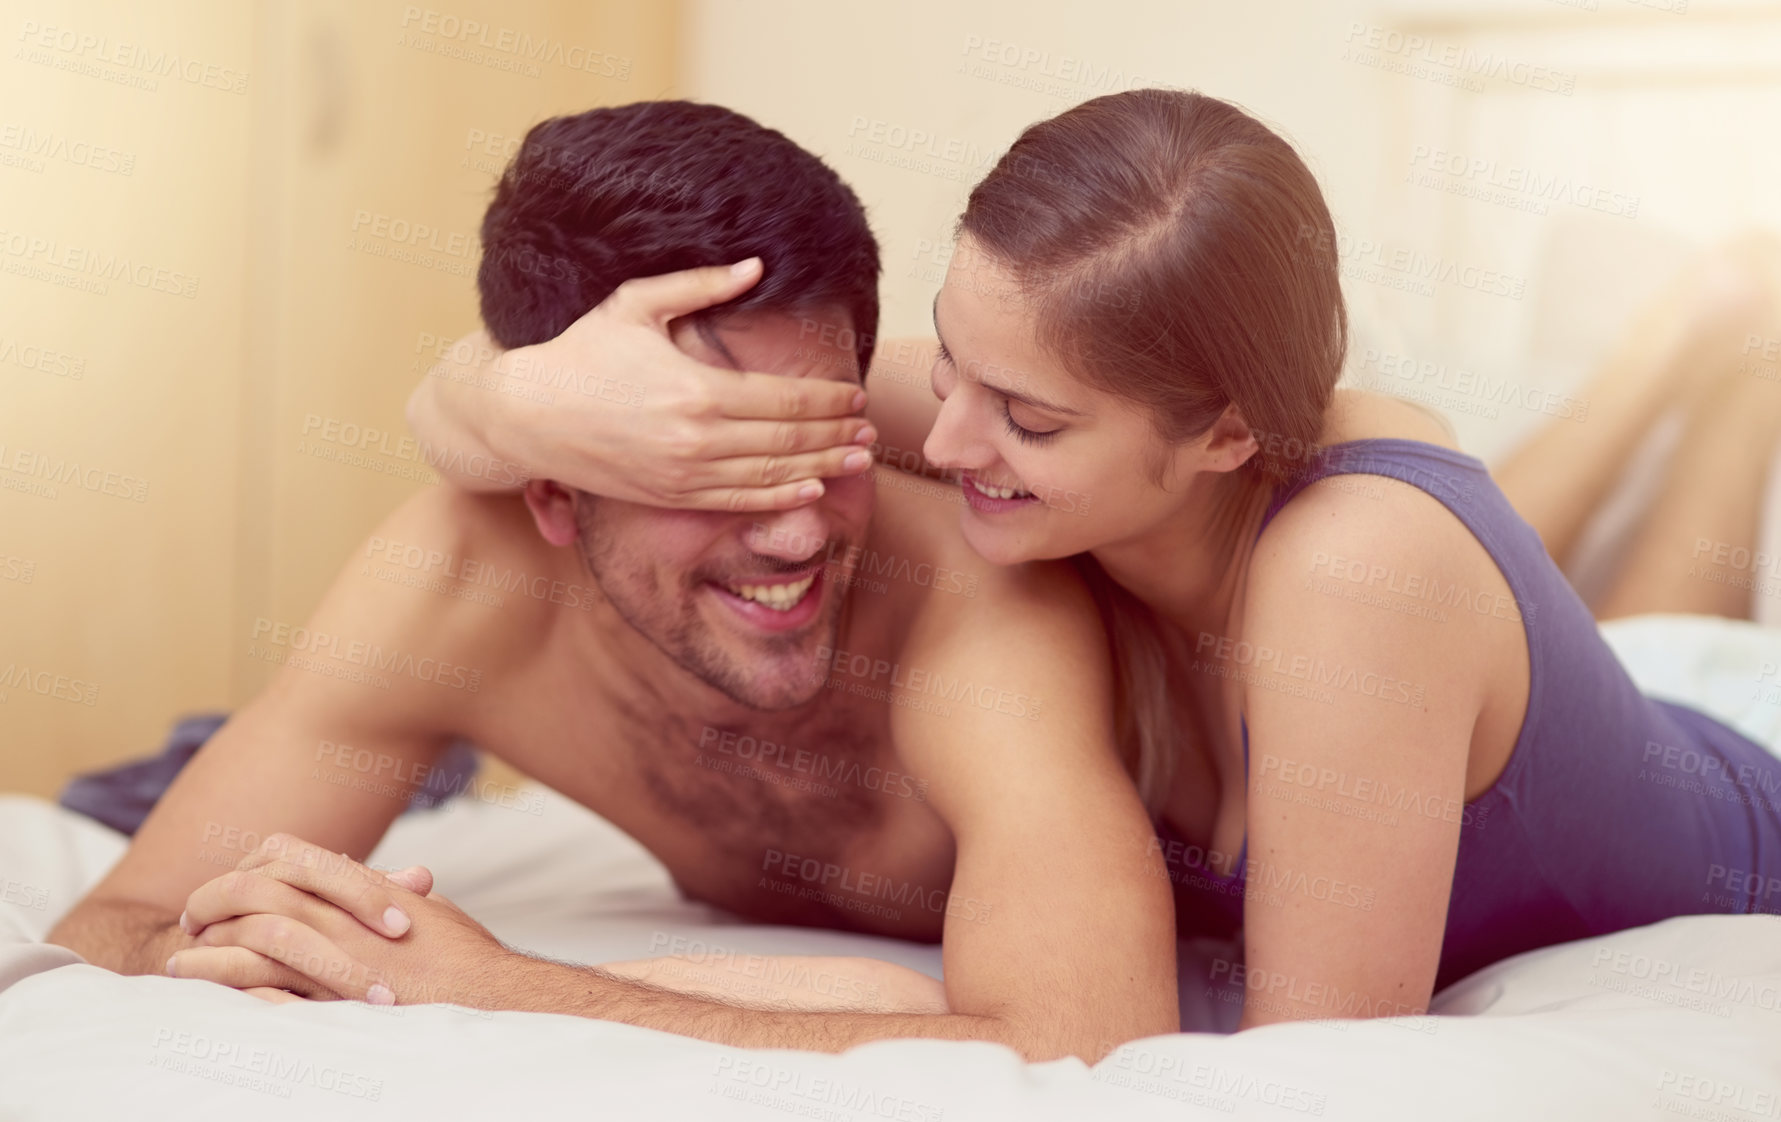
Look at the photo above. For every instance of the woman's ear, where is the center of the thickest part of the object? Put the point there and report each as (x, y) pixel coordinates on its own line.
(553, 509)
(1224, 447)
(1230, 442)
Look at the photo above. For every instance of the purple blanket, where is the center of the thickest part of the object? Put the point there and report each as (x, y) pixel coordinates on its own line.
(122, 796)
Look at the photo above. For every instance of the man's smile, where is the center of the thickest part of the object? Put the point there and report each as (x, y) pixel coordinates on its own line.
(778, 602)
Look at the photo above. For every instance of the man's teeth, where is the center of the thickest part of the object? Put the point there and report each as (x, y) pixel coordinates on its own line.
(1001, 492)
(779, 597)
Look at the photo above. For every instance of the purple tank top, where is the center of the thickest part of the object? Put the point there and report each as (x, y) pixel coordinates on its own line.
(1615, 810)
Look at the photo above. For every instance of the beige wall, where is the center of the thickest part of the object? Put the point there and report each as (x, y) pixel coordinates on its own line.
(1647, 124)
(912, 102)
(206, 493)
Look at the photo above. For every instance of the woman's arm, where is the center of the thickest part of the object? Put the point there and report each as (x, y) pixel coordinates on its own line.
(611, 406)
(1346, 899)
(451, 408)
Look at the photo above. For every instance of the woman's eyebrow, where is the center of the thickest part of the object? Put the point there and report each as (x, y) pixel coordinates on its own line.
(1034, 402)
(1025, 399)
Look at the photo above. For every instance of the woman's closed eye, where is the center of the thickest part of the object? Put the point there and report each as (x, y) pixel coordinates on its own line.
(943, 359)
(1020, 432)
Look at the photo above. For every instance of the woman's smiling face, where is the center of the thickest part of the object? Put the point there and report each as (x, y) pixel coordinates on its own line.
(1051, 466)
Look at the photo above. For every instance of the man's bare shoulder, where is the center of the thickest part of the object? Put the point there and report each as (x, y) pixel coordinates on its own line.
(459, 580)
(478, 540)
(919, 556)
(1020, 662)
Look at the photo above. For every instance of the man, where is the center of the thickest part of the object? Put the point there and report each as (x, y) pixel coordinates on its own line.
(948, 724)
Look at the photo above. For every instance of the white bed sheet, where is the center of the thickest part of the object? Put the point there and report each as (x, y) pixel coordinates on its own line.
(1679, 1019)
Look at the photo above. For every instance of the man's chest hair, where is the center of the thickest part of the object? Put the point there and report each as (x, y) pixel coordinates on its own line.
(815, 780)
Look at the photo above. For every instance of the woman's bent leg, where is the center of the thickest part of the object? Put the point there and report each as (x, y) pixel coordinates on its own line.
(1559, 478)
(1694, 553)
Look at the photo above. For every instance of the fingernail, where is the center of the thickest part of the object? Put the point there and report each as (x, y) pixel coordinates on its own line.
(183, 925)
(866, 435)
(743, 268)
(171, 972)
(380, 994)
(394, 920)
(810, 491)
(856, 460)
(859, 400)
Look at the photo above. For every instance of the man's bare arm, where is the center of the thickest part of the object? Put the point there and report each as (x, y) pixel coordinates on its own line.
(1055, 853)
(128, 936)
(818, 983)
(447, 956)
(278, 764)
(549, 987)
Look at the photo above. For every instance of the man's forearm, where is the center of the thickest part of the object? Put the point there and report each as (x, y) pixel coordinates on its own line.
(121, 935)
(539, 986)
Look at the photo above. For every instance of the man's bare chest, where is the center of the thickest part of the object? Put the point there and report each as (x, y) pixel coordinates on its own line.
(805, 817)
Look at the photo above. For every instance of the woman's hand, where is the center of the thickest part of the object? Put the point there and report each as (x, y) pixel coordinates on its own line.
(611, 406)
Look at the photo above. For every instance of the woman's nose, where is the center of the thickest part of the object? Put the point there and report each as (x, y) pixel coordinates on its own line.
(949, 441)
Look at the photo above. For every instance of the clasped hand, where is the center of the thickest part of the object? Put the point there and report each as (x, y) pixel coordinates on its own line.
(296, 921)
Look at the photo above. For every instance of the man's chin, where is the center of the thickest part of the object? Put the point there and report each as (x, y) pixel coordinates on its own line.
(768, 671)
(785, 693)
(778, 681)
(768, 674)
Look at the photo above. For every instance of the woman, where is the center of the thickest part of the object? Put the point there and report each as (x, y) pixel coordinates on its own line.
(1387, 741)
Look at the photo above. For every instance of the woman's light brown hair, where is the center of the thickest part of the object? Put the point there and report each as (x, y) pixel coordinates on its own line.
(1176, 252)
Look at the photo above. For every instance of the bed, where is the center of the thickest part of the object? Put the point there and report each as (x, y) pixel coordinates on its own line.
(1679, 1019)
